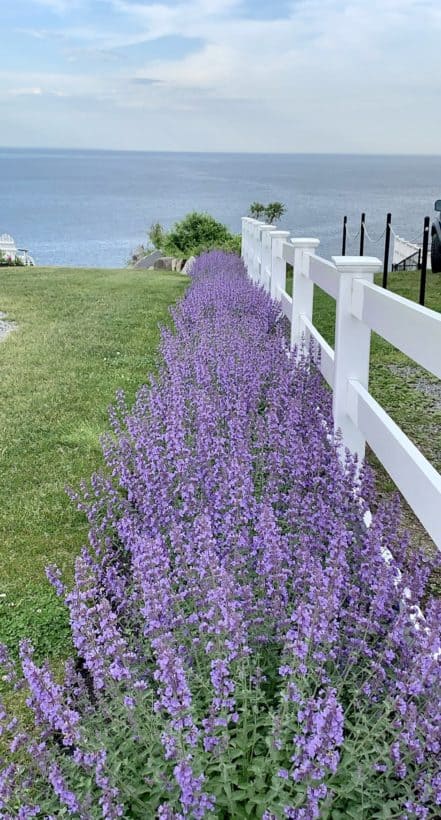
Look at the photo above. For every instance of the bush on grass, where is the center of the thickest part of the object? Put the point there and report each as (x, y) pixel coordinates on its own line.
(7, 260)
(195, 234)
(242, 649)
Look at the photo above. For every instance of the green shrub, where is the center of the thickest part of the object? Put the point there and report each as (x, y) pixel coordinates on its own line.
(157, 235)
(10, 262)
(195, 234)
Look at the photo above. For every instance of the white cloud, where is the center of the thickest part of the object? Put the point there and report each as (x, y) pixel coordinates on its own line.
(35, 91)
(333, 75)
(346, 48)
(55, 85)
(59, 6)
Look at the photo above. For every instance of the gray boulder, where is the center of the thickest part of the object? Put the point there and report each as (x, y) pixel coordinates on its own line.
(189, 265)
(149, 260)
(164, 263)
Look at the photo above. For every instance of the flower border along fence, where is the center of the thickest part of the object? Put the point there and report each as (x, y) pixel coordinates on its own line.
(362, 307)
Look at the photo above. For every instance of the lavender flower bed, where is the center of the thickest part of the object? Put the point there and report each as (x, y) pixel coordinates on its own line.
(242, 647)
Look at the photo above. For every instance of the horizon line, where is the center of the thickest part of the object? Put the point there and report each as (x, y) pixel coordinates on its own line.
(237, 153)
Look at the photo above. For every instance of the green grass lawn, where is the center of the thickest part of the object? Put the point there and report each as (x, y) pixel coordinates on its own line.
(81, 335)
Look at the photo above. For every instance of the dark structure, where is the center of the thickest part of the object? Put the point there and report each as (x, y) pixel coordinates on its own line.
(436, 239)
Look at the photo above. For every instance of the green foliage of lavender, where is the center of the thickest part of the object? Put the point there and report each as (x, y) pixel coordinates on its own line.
(245, 647)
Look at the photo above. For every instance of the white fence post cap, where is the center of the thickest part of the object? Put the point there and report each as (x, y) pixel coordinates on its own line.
(264, 229)
(357, 264)
(280, 233)
(305, 242)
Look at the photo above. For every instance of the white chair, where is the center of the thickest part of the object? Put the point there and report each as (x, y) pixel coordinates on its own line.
(7, 246)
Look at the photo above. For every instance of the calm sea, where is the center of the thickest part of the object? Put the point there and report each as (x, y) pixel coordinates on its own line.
(92, 208)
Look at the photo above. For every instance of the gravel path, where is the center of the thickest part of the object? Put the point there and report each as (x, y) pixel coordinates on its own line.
(425, 384)
(5, 327)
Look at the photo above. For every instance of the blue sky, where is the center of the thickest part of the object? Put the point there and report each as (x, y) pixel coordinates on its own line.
(228, 75)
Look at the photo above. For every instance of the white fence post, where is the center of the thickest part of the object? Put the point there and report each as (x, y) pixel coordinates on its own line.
(265, 256)
(352, 346)
(302, 287)
(256, 252)
(246, 240)
(250, 246)
(278, 264)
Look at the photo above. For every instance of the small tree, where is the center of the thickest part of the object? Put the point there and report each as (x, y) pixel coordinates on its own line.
(257, 209)
(157, 236)
(196, 233)
(274, 211)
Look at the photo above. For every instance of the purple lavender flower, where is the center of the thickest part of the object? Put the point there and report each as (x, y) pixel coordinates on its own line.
(53, 575)
(232, 612)
(194, 801)
(65, 795)
(47, 699)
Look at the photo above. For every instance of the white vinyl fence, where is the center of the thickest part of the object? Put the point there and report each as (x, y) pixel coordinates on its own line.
(361, 308)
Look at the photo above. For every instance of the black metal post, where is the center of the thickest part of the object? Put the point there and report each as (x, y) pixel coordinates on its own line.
(386, 250)
(363, 219)
(424, 259)
(345, 230)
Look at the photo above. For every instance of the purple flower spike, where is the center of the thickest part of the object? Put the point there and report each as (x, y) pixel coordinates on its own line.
(239, 633)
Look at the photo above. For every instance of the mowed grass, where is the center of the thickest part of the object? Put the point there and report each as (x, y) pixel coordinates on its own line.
(81, 335)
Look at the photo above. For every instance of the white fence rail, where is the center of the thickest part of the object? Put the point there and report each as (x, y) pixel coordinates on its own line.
(361, 307)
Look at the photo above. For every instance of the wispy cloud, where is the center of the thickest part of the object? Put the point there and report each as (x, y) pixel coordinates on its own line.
(55, 5)
(35, 91)
(59, 6)
(315, 74)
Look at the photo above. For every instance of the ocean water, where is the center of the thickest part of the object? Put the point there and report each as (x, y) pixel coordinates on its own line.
(92, 208)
